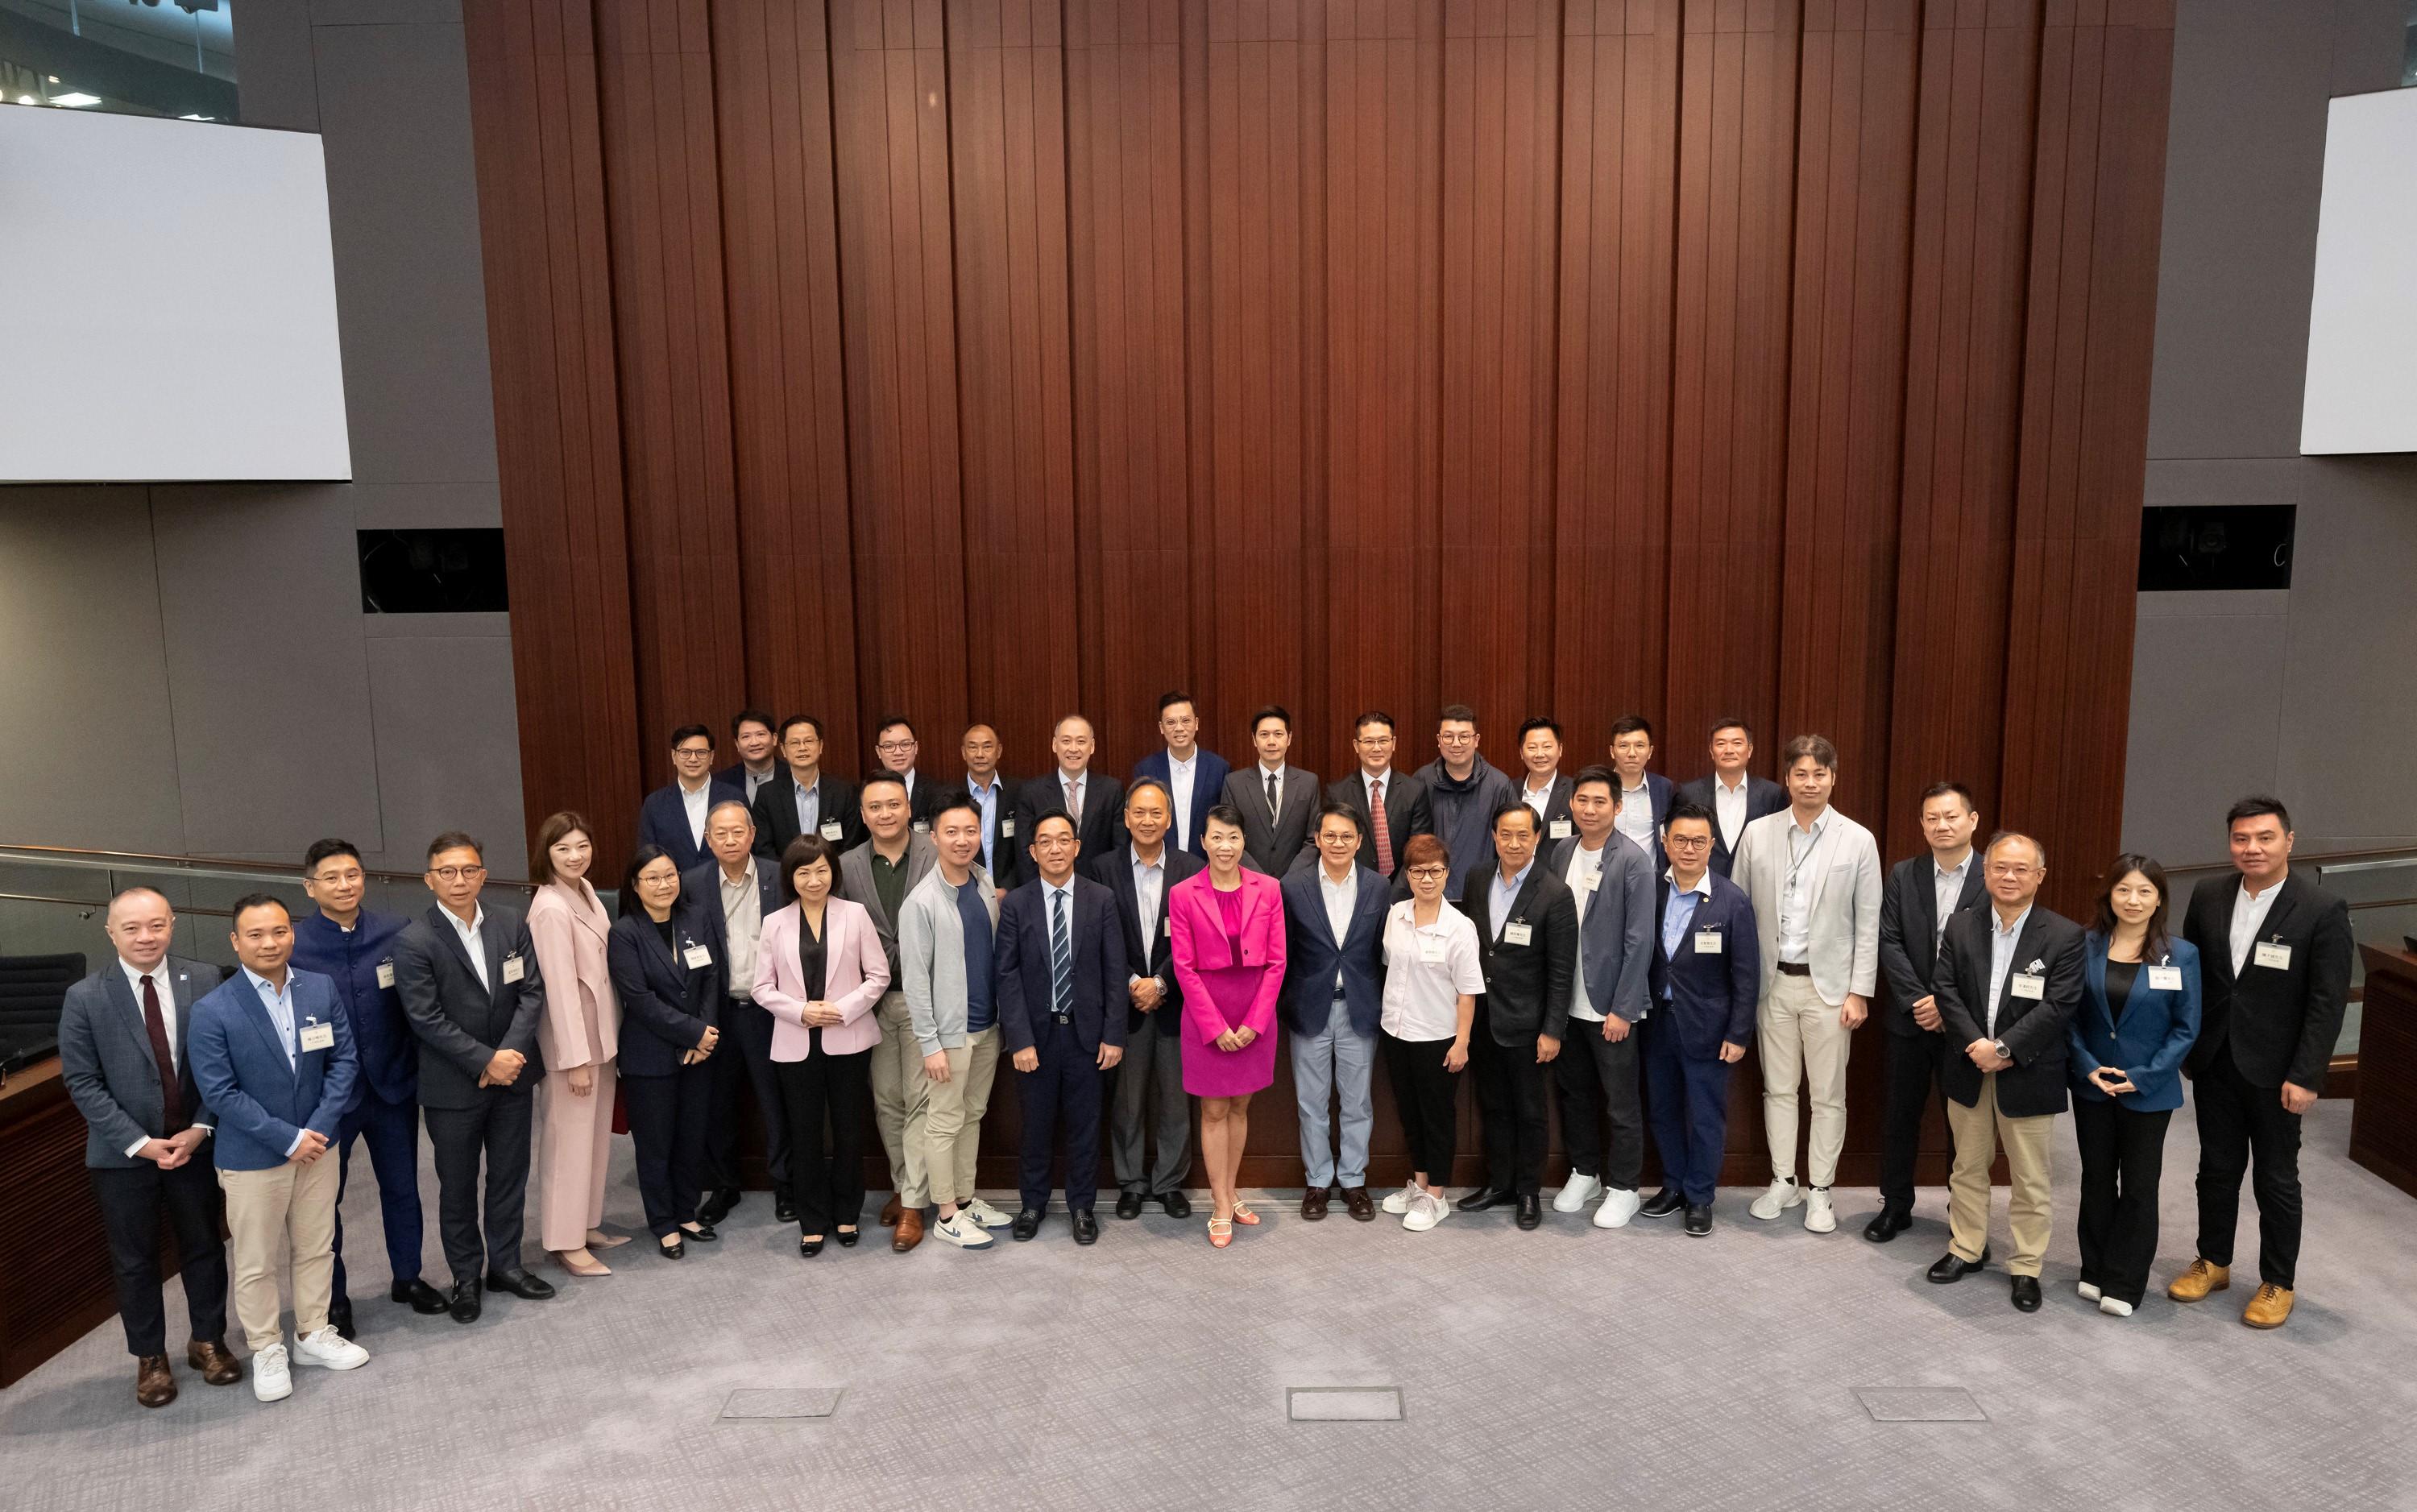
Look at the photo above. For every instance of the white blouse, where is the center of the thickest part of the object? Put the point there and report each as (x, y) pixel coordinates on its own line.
(1427, 969)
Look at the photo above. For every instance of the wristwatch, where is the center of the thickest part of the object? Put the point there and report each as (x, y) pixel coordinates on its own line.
(1997, 1047)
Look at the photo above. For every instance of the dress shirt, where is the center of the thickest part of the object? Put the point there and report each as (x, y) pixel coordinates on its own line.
(1502, 895)
(1179, 775)
(1584, 874)
(1537, 799)
(1728, 806)
(754, 779)
(2249, 912)
(986, 799)
(1635, 819)
(1149, 892)
(809, 807)
(742, 920)
(1341, 898)
(1796, 891)
(1057, 902)
(2002, 938)
(278, 1000)
(907, 776)
(1680, 914)
(473, 943)
(1069, 791)
(696, 800)
(1948, 886)
(1262, 771)
(1422, 997)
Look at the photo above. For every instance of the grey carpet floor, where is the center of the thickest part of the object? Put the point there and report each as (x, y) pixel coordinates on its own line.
(1562, 1368)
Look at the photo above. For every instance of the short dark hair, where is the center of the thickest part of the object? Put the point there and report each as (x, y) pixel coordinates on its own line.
(1456, 714)
(1505, 810)
(456, 839)
(322, 849)
(1685, 809)
(1628, 724)
(1598, 772)
(250, 900)
(1373, 716)
(794, 720)
(2255, 805)
(1824, 754)
(1729, 721)
(804, 852)
(745, 717)
(1050, 813)
(2121, 867)
(690, 731)
(1174, 696)
(1271, 710)
(888, 719)
(1225, 813)
(877, 780)
(1141, 783)
(557, 826)
(959, 799)
(1941, 789)
(640, 859)
(1540, 722)
(1336, 811)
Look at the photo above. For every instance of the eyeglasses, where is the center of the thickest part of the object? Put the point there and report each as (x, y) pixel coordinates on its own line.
(1430, 873)
(1687, 842)
(456, 873)
(894, 746)
(692, 751)
(332, 878)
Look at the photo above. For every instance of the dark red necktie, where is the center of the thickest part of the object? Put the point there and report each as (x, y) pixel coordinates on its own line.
(172, 1101)
(1384, 830)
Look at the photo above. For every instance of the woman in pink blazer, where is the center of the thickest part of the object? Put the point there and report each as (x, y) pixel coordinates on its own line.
(820, 971)
(578, 1036)
(1228, 931)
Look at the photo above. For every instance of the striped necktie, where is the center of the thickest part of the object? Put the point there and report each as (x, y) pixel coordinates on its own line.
(1061, 955)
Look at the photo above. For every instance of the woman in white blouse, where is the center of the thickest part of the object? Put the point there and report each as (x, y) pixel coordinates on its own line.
(1431, 979)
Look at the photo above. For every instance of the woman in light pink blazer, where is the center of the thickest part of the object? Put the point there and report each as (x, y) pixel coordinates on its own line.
(820, 971)
(1227, 928)
(578, 1036)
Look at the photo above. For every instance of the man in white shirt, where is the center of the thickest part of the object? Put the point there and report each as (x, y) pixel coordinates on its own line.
(1278, 801)
(894, 751)
(1194, 776)
(1093, 800)
(1644, 797)
(1734, 797)
(673, 815)
(744, 889)
(1597, 1074)
(1541, 786)
(1332, 1003)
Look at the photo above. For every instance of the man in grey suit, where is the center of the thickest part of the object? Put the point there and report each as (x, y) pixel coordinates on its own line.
(1597, 1072)
(122, 1034)
(467, 975)
(1278, 801)
(879, 874)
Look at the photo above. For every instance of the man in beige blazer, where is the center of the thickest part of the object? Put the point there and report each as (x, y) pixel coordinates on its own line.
(1813, 876)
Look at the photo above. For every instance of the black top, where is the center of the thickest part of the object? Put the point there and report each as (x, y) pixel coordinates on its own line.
(809, 956)
(2120, 976)
(663, 927)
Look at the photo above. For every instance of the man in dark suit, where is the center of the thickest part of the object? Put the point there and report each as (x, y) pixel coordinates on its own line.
(1059, 974)
(807, 800)
(1277, 800)
(896, 750)
(122, 1037)
(673, 816)
(1139, 877)
(2008, 978)
(1644, 797)
(2275, 953)
(1923, 892)
(1704, 981)
(468, 978)
(993, 794)
(1094, 802)
(1527, 943)
(354, 947)
(1541, 786)
(1612, 883)
(1333, 998)
(759, 754)
(1377, 789)
(1734, 797)
(1194, 779)
(744, 889)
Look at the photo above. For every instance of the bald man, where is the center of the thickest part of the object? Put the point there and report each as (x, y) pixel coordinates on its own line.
(994, 797)
(1094, 800)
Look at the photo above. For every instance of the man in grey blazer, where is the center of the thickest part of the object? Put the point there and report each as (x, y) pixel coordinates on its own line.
(947, 932)
(1813, 877)
(122, 1036)
(1597, 1069)
(879, 874)
(1278, 801)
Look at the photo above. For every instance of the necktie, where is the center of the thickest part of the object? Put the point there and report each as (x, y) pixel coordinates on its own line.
(1061, 955)
(1271, 798)
(172, 1099)
(1384, 831)
(1074, 802)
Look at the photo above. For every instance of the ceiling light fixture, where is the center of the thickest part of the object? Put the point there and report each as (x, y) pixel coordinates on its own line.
(77, 98)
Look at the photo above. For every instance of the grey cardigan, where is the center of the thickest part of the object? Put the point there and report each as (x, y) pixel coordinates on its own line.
(932, 959)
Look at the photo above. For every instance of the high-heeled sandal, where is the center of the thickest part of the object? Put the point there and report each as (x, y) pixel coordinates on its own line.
(1220, 1232)
(1243, 1215)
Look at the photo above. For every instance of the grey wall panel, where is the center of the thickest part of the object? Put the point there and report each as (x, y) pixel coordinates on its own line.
(276, 85)
(447, 745)
(2199, 668)
(428, 505)
(386, 12)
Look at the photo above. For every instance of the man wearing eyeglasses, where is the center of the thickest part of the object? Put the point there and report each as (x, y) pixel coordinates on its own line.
(895, 748)
(673, 815)
(468, 978)
(1704, 976)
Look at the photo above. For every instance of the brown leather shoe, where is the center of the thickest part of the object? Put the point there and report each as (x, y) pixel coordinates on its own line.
(2203, 1276)
(2270, 1307)
(1312, 1203)
(210, 1357)
(908, 1231)
(153, 1385)
(889, 1211)
(1357, 1203)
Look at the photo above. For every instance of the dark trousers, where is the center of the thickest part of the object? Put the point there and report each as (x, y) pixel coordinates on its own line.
(2121, 1153)
(1511, 1100)
(747, 1030)
(2238, 1122)
(1913, 1063)
(391, 1131)
(498, 1129)
(132, 1202)
(667, 1123)
(829, 1189)
(1688, 1098)
(1064, 1092)
(1427, 1098)
(1150, 1073)
(1598, 1077)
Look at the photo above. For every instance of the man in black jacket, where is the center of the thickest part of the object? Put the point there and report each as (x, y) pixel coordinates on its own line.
(1149, 1099)
(2275, 953)
(1527, 922)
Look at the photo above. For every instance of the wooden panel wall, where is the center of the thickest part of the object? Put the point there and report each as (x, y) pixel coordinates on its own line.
(991, 358)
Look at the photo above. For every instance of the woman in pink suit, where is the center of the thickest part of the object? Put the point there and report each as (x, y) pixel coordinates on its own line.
(820, 971)
(578, 1037)
(1228, 929)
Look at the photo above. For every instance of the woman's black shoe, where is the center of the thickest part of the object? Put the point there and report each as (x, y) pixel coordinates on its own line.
(676, 1249)
(809, 1248)
(702, 1234)
(847, 1238)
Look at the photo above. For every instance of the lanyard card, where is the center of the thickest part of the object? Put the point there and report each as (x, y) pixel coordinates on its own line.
(386, 973)
(317, 1035)
(697, 956)
(1707, 942)
(2273, 954)
(513, 970)
(2165, 978)
(1517, 934)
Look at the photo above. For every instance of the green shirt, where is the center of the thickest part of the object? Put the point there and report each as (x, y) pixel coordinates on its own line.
(890, 886)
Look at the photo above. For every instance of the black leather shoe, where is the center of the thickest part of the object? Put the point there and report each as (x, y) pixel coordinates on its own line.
(520, 1283)
(1128, 1204)
(717, 1205)
(1027, 1224)
(847, 1238)
(784, 1210)
(1699, 1219)
(1954, 1267)
(1087, 1226)
(423, 1297)
(339, 1318)
(702, 1234)
(1484, 1197)
(1177, 1205)
(1531, 1210)
(676, 1249)
(1662, 1204)
(465, 1303)
(810, 1247)
(2027, 1294)
(1887, 1225)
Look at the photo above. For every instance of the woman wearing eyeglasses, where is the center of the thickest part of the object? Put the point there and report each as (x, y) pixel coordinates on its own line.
(578, 1037)
(670, 979)
(1228, 927)
(1431, 979)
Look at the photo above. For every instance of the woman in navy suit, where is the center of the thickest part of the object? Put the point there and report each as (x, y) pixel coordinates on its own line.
(670, 983)
(2137, 1018)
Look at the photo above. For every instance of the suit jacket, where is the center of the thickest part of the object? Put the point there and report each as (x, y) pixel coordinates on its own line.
(582, 1022)
(1762, 796)
(352, 959)
(1526, 987)
(1712, 995)
(1273, 842)
(1844, 931)
(668, 1002)
(855, 972)
(1408, 810)
(703, 886)
(1556, 803)
(1312, 958)
(1209, 774)
(776, 814)
(1909, 935)
(1021, 978)
(105, 1059)
(932, 953)
(2280, 1024)
(1201, 943)
(922, 800)
(1103, 816)
(460, 1024)
(1155, 955)
(2145, 1036)
(263, 1102)
(854, 877)
(1003, 862)
(662, 819)
(1663, 792)
(1615, 927)
(2032, 1029)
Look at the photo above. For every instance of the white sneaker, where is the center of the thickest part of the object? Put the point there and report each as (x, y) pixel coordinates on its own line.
(1781, 1196)
(2112, 1307)
(983, 1214)
(1820, 1216)
(331, 1349)
(1576, 1193)
(1425, 1213)
(962, 1232)
(2089, 1292)
(270, 1380)
(1400, 1201)
(1618, 1205)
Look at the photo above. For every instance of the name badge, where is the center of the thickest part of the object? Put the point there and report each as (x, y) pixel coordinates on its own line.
(830, 829)
(2027, 986)
(1558, 829)
(697, 956)
(513, 970)
(922, 826)
(318, 1036)
(1593, 880)
(1433, 950)
(2165, 978)
(386, 973)
(1166, 926)
(1517, 934)
(2270, 954)
(1006, 828)
(1707, 942)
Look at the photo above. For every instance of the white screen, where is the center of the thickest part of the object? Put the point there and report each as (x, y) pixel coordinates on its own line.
(169, 300)
(2361, 391)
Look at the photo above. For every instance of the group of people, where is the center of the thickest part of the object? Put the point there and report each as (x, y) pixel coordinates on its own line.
(1132, 948)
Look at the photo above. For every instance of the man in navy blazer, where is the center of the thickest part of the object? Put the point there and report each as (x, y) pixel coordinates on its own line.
(1706, 978)
(1194, 776)
(1732, 796)
(1334, 996)
(1140, 875)
(1058, 979)
(272, 1052)
(1644, 797)
(673, 815)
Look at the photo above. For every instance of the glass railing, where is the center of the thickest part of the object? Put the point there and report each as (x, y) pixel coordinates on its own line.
(120, 56)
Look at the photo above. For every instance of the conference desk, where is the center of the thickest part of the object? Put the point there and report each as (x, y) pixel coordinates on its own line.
(2383, 1118)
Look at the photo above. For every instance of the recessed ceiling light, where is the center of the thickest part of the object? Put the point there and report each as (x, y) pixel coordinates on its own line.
(75, 98)
(197, 117)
